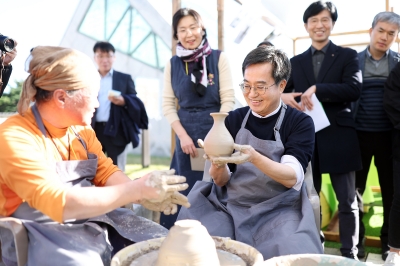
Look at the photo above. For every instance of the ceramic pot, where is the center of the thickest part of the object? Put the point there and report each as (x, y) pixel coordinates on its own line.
(218, 141)
(188, 243)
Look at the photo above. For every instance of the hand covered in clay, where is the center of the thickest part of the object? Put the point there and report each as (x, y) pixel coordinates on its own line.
(159, 186)
(244, 153)
(169, 205)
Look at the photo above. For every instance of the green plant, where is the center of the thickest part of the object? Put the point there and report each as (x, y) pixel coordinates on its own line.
(9, 101)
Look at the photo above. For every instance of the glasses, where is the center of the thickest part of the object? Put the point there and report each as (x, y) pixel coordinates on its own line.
(184, 31)
(259, 89)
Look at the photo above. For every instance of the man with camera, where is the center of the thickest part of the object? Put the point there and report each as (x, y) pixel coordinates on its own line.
(8, 53)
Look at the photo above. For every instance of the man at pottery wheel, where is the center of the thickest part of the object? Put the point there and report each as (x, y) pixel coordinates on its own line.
(258, 195)
(55, 178)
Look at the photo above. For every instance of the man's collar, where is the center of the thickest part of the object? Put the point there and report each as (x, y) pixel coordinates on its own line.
(324, 49)
(270, 114)
(370, 55)
(110, 73)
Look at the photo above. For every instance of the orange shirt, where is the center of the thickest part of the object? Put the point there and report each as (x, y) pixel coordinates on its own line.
(27, 171)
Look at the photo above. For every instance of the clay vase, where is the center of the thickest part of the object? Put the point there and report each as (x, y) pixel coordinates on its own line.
(188, 243)
(218, 141)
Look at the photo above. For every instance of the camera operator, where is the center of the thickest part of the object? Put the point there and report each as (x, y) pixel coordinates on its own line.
(6, 58)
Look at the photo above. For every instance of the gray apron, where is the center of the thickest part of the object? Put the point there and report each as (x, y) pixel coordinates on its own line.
(85, 242)
(255, 209)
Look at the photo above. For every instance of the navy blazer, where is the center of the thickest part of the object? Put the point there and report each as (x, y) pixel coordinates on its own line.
(338, 84)
(120, 82)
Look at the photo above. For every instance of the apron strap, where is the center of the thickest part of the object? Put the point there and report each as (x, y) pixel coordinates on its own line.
(38, 119)
(245, 119)
(80, 139)
(279, 122)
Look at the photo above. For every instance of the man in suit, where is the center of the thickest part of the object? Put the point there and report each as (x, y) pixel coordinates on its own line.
(111, 80)
(374, 128)
(331, 73)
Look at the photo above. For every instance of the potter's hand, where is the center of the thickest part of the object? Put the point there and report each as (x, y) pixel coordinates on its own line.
(244, 153)
(160, 185)
(169, 205)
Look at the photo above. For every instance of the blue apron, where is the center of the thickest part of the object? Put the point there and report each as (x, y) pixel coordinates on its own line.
(194, 115)
(255, 209)
(84, 242)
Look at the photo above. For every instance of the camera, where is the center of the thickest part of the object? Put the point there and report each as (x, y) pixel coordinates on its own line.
(6, 44)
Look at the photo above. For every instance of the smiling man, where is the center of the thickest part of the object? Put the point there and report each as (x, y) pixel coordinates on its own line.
(258, 197)
(374, 128)
(332, 74)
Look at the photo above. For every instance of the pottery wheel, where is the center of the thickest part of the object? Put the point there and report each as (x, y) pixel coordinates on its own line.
(225, 258)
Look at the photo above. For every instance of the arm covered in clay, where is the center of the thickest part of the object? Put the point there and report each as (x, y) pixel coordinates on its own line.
(157, 191)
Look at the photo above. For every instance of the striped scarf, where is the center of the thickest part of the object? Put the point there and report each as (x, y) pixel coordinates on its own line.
(199, 74)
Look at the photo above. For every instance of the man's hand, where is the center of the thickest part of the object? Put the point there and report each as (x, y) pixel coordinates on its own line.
(9, 56)
(117, 100)
(244, 153)
(306, 101)
(158, 186)
(289, 99)
(169, 205)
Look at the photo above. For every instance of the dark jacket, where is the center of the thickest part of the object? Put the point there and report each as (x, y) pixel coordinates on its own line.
(5, 78)
(338, 84)
(119, 115)
(125, 121)
(391, 103)
(391, 96)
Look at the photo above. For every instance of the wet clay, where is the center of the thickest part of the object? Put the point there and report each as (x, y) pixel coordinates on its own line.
(188, 243)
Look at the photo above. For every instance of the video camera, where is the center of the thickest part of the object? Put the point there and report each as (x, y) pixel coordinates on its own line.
(6, 44)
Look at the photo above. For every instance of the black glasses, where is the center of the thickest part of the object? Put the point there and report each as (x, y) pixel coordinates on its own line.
(259, 89)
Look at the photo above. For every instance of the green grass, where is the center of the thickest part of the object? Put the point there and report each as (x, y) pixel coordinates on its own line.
(134, 167)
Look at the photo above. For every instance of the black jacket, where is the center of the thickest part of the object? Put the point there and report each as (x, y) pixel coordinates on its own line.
(338, 84)
(6, 77)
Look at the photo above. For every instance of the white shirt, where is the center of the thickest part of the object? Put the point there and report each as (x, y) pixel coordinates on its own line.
(103, 112)
(288, 160)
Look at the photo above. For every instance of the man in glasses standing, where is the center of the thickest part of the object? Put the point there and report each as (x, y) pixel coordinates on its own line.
(120, 114)
(332, 74)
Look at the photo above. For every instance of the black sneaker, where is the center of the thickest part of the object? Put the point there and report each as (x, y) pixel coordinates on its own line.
(385, 250)
(350, 256)
(385, 254)
(361, 249)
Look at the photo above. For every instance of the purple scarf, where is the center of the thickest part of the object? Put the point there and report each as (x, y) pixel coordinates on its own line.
(199, 74)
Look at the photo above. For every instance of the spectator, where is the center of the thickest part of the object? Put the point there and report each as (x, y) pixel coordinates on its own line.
(199, 78)
(374, 128)
(119, 116)
(331, 73)
(50, 159)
